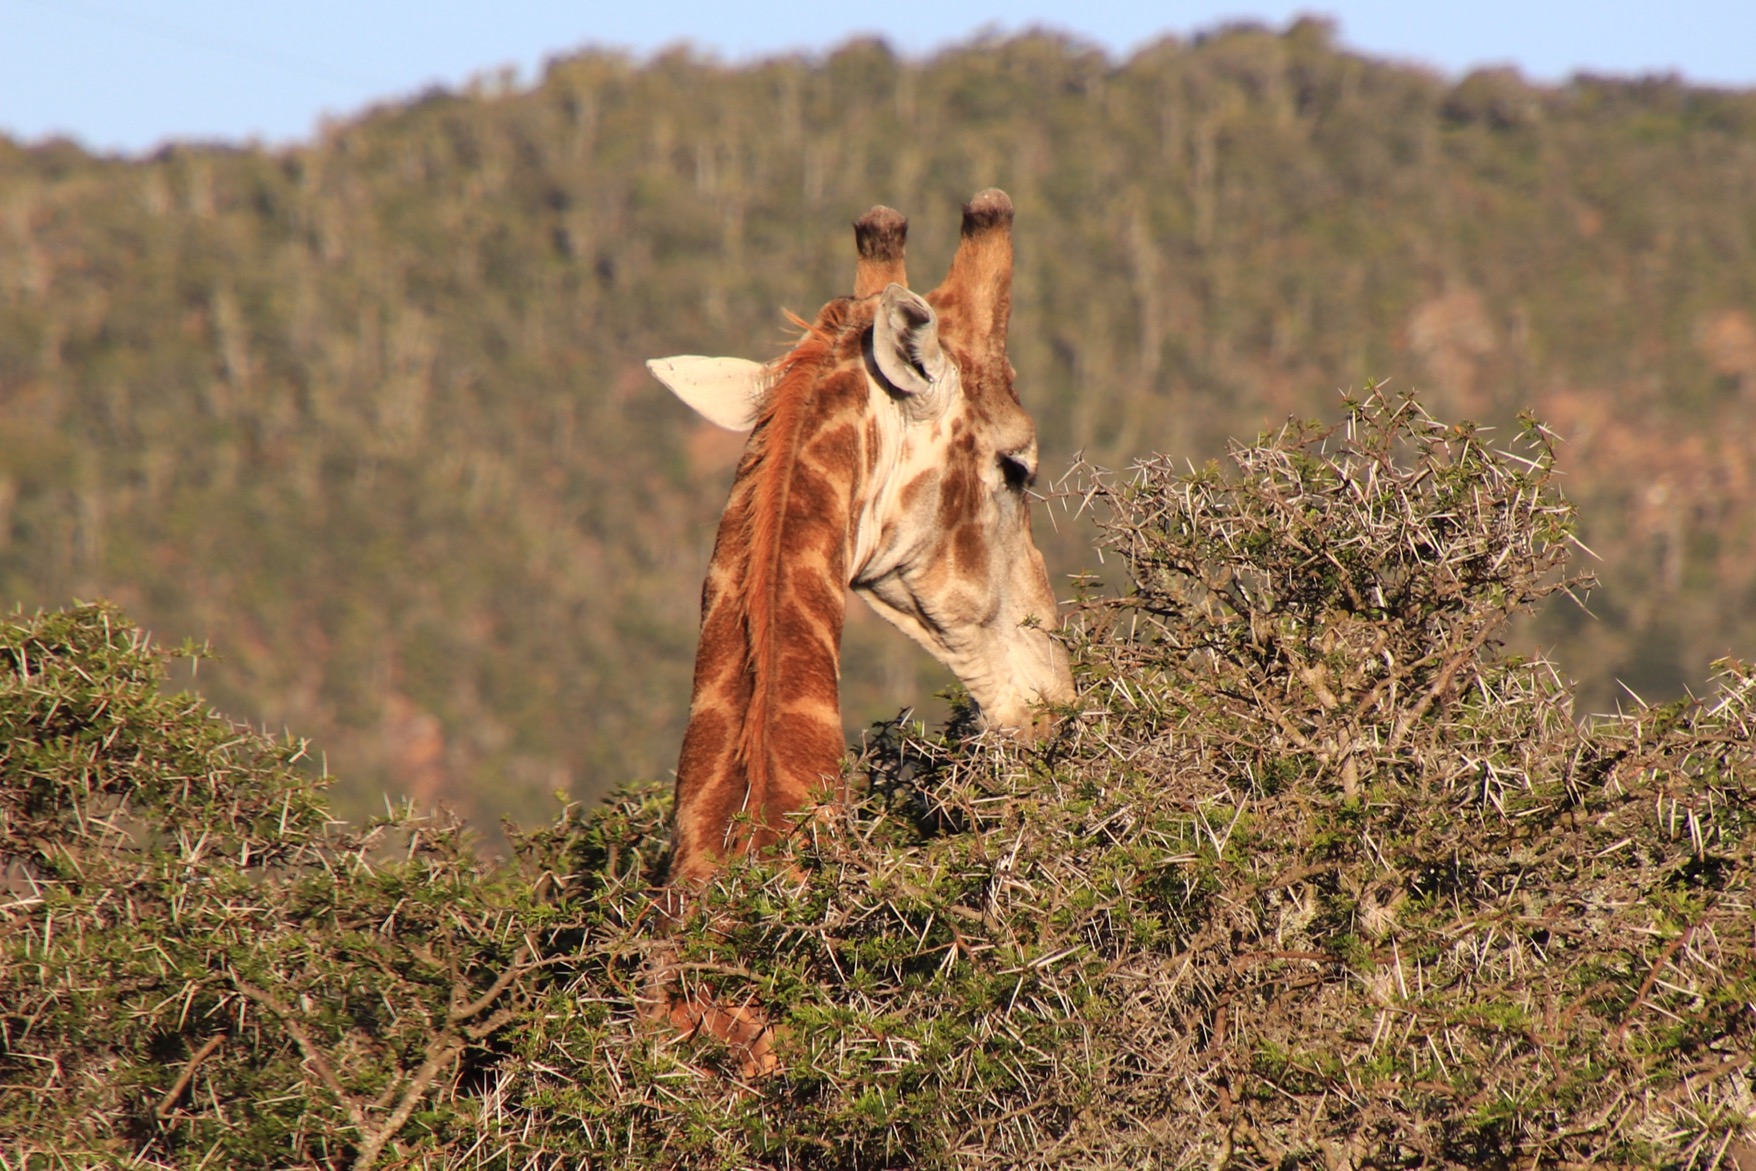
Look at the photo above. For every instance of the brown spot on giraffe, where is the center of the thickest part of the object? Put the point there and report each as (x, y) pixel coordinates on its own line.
(919, 489)
(872, 448)
(972, 551)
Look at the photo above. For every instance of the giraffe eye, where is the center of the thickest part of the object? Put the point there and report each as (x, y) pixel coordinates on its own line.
(1019, 469)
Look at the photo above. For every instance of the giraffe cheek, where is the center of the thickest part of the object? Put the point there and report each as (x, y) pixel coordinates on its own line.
(970, 553)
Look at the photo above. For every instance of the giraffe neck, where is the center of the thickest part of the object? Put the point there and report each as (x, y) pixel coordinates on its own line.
(765, 732)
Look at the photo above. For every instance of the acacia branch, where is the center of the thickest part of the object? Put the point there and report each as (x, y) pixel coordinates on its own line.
(166, 1103)
(440, 1052)
(312, 1053)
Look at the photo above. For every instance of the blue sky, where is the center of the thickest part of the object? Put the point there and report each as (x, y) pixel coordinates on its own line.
(130, 74)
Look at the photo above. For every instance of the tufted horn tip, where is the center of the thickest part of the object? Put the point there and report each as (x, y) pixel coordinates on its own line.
(990, 209)
(881, 235)
(976, 296)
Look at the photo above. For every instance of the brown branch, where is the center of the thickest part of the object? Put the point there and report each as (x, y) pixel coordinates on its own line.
(477, 1032)
(1262, 957)
(314, 1055)
(164, 1109)
(1439, 687)
(439, 1053)
(464, 1011)
(1664, 957)
(1300, 873)
(1701, 1077)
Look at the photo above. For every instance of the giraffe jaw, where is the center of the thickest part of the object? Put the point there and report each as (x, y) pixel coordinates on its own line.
(1025, 713)
(1011, 665)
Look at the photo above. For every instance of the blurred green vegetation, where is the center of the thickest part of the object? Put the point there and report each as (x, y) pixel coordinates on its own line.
(370, 413)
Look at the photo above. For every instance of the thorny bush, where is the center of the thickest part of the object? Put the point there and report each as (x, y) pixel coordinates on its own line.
(1314, 875)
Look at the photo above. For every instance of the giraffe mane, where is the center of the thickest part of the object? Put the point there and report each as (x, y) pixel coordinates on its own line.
(783, 427)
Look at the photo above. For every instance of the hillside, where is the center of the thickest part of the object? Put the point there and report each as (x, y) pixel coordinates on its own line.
(370, 414)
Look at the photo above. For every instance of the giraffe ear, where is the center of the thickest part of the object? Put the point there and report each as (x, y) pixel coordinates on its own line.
(905, 345)
(725, 391)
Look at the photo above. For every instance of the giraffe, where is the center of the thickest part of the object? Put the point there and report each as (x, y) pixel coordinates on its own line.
(888, 452)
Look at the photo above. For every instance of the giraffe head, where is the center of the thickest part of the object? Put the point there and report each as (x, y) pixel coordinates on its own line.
(940, 541)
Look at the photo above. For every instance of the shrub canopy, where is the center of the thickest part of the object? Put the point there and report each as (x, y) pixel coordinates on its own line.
(1312, 875)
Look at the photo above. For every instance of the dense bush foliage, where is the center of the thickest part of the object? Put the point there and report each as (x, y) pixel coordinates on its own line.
(369, 413)
(1313, 875)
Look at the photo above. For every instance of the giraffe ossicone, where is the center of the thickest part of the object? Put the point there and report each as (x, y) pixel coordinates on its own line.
(888, 452)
